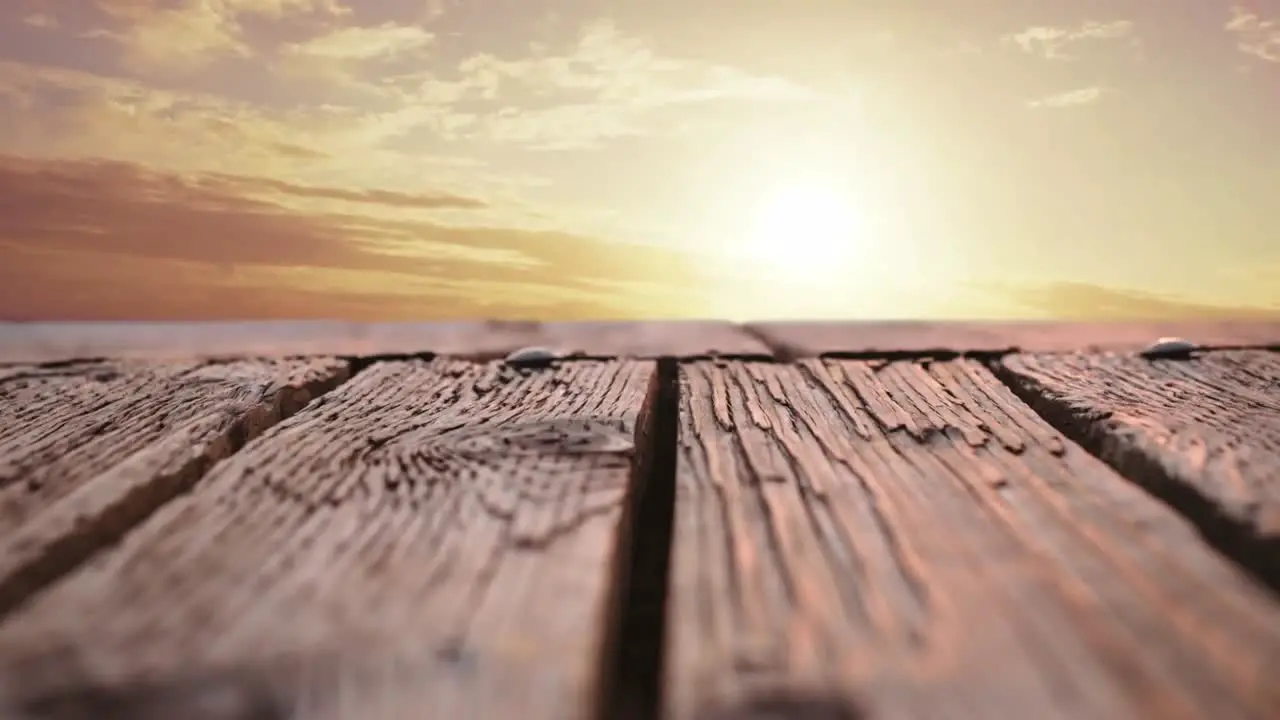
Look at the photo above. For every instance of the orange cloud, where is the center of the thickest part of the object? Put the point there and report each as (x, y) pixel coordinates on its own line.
(243, 184)
(41, 285)
(80, 227)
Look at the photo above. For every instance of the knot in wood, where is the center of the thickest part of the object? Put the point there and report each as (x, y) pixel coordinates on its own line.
(559, 436)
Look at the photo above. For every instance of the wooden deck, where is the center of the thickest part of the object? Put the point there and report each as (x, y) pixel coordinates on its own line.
(259, 521)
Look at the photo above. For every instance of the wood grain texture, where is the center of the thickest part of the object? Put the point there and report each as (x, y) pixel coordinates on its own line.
(50, 342)
(88, 450)
(808, 339)
(908, 540)
(432, 539)
(1204, 433)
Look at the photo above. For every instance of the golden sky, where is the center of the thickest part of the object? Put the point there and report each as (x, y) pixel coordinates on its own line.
(565, 159)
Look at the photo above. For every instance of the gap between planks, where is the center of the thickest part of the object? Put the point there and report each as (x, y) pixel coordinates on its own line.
(632, 664)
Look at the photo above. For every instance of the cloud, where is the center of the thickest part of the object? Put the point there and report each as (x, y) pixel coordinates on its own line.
(311, 156)
(351, 88)
(1055, 43)
(1086, 301)
(363, 43)
(57, 285)
(81, 226)
(243, 185)
(623, 69)
(1255, 36)
(1071, 98)
(58, 112)
(603, 85)
(183, 36)
(354, 59)
(81, 114)
(607, 85)
(44, 21)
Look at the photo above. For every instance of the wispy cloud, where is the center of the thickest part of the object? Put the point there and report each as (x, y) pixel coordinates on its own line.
(184, 36)
(42, 20)
(1255, 36)
(606, 85)
(363, 43)
(1071, 98)
(79, 113)
(241, 184)
(356, 59)
(69, 113)
(1058, 43)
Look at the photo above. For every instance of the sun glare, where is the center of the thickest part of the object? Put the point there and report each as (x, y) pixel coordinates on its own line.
(803, 228)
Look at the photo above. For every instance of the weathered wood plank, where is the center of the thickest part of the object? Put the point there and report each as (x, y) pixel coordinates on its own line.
(432, 539)
(807, 339)
(907, 540)
(88, 450)
(1203, 434)
(49, 342)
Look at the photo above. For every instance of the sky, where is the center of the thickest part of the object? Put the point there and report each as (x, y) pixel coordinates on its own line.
(574, 159)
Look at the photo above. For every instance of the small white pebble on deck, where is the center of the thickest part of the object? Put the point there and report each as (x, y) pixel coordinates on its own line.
(1167, 346)
(532, 355)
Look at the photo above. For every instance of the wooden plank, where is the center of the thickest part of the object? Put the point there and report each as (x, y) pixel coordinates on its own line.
(807, 339)
(88, 450)
(432, 539)
(52, 342)
(907, 540)
(1203, 434)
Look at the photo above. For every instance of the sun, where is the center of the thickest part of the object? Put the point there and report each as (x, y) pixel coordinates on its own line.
(808, 228)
